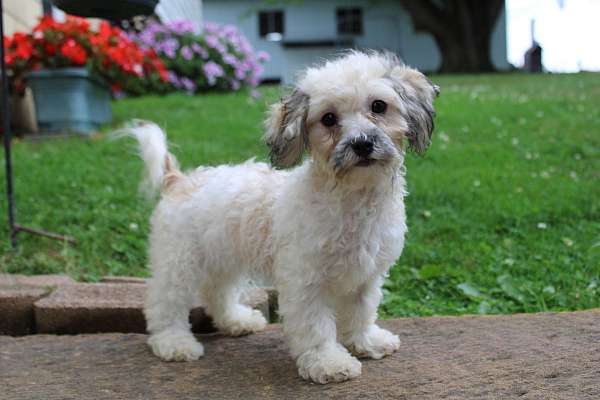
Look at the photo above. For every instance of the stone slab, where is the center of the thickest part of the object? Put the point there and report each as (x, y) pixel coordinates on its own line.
(123, 279)
(16, 309)
(536, 356)
(17, 295)
(34, 280)
(109, 307)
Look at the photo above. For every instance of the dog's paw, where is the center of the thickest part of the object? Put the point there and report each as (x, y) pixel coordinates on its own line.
(333, 365)
(243, 322)
(376, 343)
(176, 346)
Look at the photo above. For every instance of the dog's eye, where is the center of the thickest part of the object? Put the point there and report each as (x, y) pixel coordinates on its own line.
(329, 120)
(378, 106)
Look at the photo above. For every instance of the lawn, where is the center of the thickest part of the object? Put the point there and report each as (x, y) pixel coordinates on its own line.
(503, 212)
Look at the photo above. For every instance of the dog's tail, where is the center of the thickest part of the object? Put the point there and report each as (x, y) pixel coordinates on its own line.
(162, 169)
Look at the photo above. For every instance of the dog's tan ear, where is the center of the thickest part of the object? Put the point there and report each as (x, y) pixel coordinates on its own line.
(417, 93)
(286, 132)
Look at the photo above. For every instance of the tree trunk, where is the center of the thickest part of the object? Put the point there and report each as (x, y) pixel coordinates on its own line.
(462, 30)
(461, 55)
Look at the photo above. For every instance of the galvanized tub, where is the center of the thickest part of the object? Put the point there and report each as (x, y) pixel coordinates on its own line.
(69, 100)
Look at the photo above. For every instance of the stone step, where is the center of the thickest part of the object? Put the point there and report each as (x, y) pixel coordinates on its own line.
(527, 356)
(112, 307)
(18, 293)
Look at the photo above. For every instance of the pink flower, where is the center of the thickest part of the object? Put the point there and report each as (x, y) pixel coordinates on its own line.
(263, 56)
(187, 53)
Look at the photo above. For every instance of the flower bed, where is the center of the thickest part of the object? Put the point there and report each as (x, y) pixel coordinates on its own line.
(108, 53)
(161, 58)
(220, 58)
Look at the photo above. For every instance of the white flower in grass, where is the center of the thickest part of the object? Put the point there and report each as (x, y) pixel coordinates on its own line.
(542, 225)
(539, 114)
(496, 121)
(573, 175)
(426, 213)
(545, 174)
(466, 129)
(133, 226)
(509, 261)
(444, 137)
(476, 183)
(568, 242)
(514, 141)
(528, 156)
(519, 189)
(577, 156)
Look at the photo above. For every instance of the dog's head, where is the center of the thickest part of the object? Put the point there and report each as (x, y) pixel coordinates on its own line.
(355, 114)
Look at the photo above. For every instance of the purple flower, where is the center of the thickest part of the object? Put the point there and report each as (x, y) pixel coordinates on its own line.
(200, 50)
(230, 30)
(212, 41)
(235, 84)
(182, 26)
(240, 73)
(227, 55)
(188, 85)
(187, 53)
(212, 71)
(230, 59)
(263, 56)
(173, 79)
(168, 47)
(211, 27)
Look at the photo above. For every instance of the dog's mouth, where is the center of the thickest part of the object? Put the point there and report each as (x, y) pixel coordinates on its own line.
(366, 162)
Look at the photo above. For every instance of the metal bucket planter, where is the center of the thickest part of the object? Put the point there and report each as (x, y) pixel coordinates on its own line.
(69, 100)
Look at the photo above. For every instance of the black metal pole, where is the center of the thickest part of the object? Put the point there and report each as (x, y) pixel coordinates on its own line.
(7, 137)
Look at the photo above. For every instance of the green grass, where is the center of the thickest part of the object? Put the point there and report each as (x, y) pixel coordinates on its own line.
(503, 215)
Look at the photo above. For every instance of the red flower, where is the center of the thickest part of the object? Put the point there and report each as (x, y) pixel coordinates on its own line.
(74, 51)
(23, 46)
(111, 53)
(50, 49)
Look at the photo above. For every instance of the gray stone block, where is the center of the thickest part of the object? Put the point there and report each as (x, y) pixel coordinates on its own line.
(111, 307)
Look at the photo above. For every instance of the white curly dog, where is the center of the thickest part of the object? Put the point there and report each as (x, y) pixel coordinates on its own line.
(327, 231)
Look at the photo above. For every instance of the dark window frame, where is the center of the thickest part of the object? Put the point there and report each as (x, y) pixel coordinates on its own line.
(349, 21)
(270, 21)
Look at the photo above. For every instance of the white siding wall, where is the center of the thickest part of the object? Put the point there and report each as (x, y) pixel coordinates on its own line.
(385, 26)
(20, 15)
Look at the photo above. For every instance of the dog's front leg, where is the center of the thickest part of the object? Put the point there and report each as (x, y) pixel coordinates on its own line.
(309, 326)
(356, 324)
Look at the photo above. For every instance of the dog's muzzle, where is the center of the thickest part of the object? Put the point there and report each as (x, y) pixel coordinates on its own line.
(363, 150)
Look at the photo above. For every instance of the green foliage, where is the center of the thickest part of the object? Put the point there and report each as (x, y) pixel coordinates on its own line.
(503, 211)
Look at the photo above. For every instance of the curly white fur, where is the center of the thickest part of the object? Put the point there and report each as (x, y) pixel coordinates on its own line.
(327, 231)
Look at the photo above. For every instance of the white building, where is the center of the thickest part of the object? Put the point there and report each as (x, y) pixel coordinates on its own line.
(299, 33)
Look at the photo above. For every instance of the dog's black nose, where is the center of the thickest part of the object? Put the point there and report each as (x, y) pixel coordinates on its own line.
(363, 146)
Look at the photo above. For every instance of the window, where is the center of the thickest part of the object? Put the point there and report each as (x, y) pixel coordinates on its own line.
(270, 24)
(349, 21)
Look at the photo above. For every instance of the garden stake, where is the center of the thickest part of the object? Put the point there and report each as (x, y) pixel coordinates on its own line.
(7, 138)
(7, 135)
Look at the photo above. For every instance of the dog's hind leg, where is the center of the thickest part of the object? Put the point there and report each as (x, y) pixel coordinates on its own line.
(222, 299)
(172, 291)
